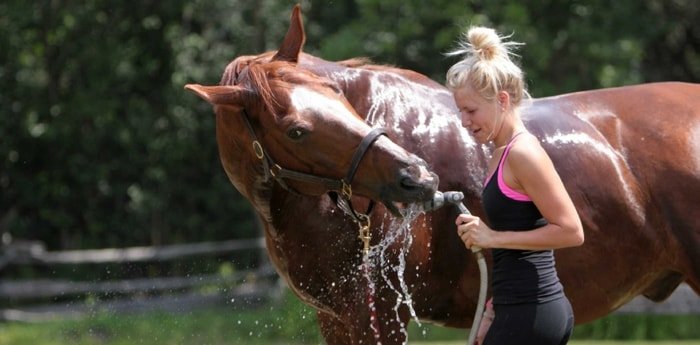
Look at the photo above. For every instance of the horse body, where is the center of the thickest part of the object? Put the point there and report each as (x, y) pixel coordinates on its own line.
(629, 157)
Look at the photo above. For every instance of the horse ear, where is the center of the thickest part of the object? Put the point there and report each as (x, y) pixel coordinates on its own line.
(293, 40)
(221, 95)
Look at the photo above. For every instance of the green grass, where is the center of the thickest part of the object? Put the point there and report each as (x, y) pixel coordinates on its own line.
(634, 342)
(290, 322)
(592, 342)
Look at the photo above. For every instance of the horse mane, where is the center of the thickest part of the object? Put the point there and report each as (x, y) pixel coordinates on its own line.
(260, 83)
(261, 77)
(356, 62)
(235, 67)
(260, 71)
(367, 64)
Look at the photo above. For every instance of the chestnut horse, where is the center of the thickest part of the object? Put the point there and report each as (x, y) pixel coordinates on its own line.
(288, 123)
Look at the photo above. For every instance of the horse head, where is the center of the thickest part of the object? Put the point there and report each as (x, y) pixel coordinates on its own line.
(278, 122)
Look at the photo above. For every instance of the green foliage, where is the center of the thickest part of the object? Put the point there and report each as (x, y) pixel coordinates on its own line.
(102, 147)
(570, 45)
(398, 32)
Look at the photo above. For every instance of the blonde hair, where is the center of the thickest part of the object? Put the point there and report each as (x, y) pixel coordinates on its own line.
(487, 66)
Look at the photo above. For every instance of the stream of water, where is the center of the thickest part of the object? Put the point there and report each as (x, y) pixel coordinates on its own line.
(397, 235)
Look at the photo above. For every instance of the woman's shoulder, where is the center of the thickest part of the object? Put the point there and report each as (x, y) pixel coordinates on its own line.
(526, 144)
(527, 153)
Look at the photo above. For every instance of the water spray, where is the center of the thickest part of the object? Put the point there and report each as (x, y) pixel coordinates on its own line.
(455, 198)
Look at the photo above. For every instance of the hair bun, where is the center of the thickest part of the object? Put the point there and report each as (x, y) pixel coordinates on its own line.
(485, 42)
(486, 65)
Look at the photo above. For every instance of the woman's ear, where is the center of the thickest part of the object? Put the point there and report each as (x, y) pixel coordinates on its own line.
(503, 99)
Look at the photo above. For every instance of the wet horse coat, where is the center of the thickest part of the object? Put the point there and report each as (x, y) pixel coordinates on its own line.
(629, 157)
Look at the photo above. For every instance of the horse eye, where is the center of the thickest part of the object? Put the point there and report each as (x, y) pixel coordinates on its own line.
(296, 133)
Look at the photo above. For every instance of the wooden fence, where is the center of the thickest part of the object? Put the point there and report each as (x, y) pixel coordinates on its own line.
(243, 288)
(72, 299)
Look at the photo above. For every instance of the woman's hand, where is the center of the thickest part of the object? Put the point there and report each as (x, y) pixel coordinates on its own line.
(474, 232)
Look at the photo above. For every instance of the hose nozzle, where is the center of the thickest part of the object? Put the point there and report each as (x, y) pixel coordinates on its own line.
(441, 198)
(454, 198)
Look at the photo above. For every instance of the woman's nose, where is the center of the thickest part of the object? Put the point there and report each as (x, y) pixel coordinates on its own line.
(466, 120)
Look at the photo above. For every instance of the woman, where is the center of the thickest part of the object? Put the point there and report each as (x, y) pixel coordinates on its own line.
(528, 211)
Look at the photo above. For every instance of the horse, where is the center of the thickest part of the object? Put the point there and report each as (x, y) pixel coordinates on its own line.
(309, 141)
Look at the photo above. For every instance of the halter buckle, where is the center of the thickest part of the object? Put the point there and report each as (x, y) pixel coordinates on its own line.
(346, 190)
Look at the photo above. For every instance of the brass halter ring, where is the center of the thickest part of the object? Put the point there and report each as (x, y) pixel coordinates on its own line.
(346, 189)
(257, 148)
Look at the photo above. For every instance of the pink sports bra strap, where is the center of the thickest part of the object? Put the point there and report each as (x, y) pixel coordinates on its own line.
(507, 191)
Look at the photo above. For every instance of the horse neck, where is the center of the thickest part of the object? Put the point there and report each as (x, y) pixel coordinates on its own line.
(390, 97)
(354, 81)
(420, 114)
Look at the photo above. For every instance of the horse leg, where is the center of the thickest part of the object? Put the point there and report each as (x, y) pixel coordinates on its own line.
(389, 329)
(684, 265)
(333, 330)
(663, 286)
(358, 330)
(693, 276)
(688, 237)
(393, 325)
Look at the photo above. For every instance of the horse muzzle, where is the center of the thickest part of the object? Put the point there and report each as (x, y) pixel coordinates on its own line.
(414, 183)
(417, 183)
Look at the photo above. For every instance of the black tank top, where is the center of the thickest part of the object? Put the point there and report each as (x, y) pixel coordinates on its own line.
(519, 276)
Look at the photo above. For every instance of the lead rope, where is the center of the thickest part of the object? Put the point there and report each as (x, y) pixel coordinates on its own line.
(365, 235)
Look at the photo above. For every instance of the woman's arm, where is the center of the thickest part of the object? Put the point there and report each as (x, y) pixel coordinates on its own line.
(533, 172)
(529, 169)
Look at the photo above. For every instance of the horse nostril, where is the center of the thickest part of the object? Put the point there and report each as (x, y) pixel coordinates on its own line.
(412, 177)
(406, 177)
(408, 183)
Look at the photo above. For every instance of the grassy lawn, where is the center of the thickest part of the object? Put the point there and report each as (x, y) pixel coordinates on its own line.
(290, 322)
(212, 328)
(593, 342)
(220, 327)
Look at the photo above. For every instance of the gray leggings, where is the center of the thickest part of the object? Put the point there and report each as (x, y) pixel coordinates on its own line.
(548, 323)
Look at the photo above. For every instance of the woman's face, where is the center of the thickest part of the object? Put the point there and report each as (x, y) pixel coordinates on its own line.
(478, 114)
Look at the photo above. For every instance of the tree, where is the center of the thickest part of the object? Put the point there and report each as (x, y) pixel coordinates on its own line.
(101, 146)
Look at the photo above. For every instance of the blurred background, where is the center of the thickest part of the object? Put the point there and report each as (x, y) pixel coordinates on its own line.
(117, 223)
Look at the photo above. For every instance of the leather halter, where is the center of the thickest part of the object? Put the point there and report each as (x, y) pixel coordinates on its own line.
(342, 186)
